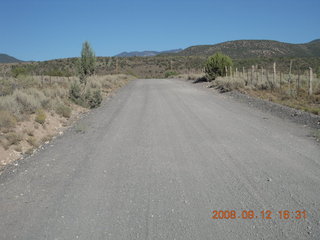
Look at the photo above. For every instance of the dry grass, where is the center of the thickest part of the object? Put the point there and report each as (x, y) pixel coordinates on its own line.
(190, 76)
(7, 120)
(63, 110)
(28, 105)
(13, 138)
(290, 93)
(32, 141)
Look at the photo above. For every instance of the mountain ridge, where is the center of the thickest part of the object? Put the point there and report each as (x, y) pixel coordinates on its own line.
(146, 53)
(240, 49)
(5, 58)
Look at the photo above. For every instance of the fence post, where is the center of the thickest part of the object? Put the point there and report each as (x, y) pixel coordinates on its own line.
(290, 80)
(280, 82)
(252, 72)
(298, 84)
(261, 78)
(274, 75)
(310, 80)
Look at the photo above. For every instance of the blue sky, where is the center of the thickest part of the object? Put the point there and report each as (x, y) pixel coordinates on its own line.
(43, 29)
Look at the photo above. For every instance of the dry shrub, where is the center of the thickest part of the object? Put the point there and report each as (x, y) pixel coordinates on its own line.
(7, 120)
(26, 81)
(9, 103)
(46, 138)
(26, 103)
(226, 84)
(32, 141)
(95, 83)
(13, 138)
(39, 96)
(30, 132)
(56, 92)
(63, 110)
(18, 148)
(7, 86)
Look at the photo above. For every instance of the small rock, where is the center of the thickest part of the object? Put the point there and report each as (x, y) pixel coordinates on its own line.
(269, 179)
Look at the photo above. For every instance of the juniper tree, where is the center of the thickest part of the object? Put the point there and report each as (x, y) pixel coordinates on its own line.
(216, 66)
(87, 62)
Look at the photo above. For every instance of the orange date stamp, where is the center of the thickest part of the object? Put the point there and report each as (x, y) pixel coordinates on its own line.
(265, 214)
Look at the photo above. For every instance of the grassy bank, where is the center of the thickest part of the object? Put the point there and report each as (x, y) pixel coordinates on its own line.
(33, 109)
(292, 91)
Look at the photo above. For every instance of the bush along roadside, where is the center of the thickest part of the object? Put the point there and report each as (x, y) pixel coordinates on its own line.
(33, 109)
(31, 116)
(83, 92)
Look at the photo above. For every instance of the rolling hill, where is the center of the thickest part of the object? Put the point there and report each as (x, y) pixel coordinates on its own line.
(146, 53)
(4, 58)
(241, 49)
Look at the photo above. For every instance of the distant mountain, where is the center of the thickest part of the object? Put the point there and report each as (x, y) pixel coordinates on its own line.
(4, 58)
(240, 49)
(146, 53)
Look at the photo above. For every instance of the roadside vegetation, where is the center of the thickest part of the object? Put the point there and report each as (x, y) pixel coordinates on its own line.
(37, 99)
(300, 91)
(152, 67)
(34, 108)
(217, 66)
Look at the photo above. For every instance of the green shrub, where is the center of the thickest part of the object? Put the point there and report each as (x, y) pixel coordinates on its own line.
(86, 63)
(7, 120)
(40, 116)
(216, 66)
(63, 110)
(58, 72)
(17, 71)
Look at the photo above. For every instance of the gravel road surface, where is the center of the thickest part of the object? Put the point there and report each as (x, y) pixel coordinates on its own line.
(155, 161)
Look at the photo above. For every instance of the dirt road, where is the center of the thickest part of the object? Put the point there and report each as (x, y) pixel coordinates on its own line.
(155, 161)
